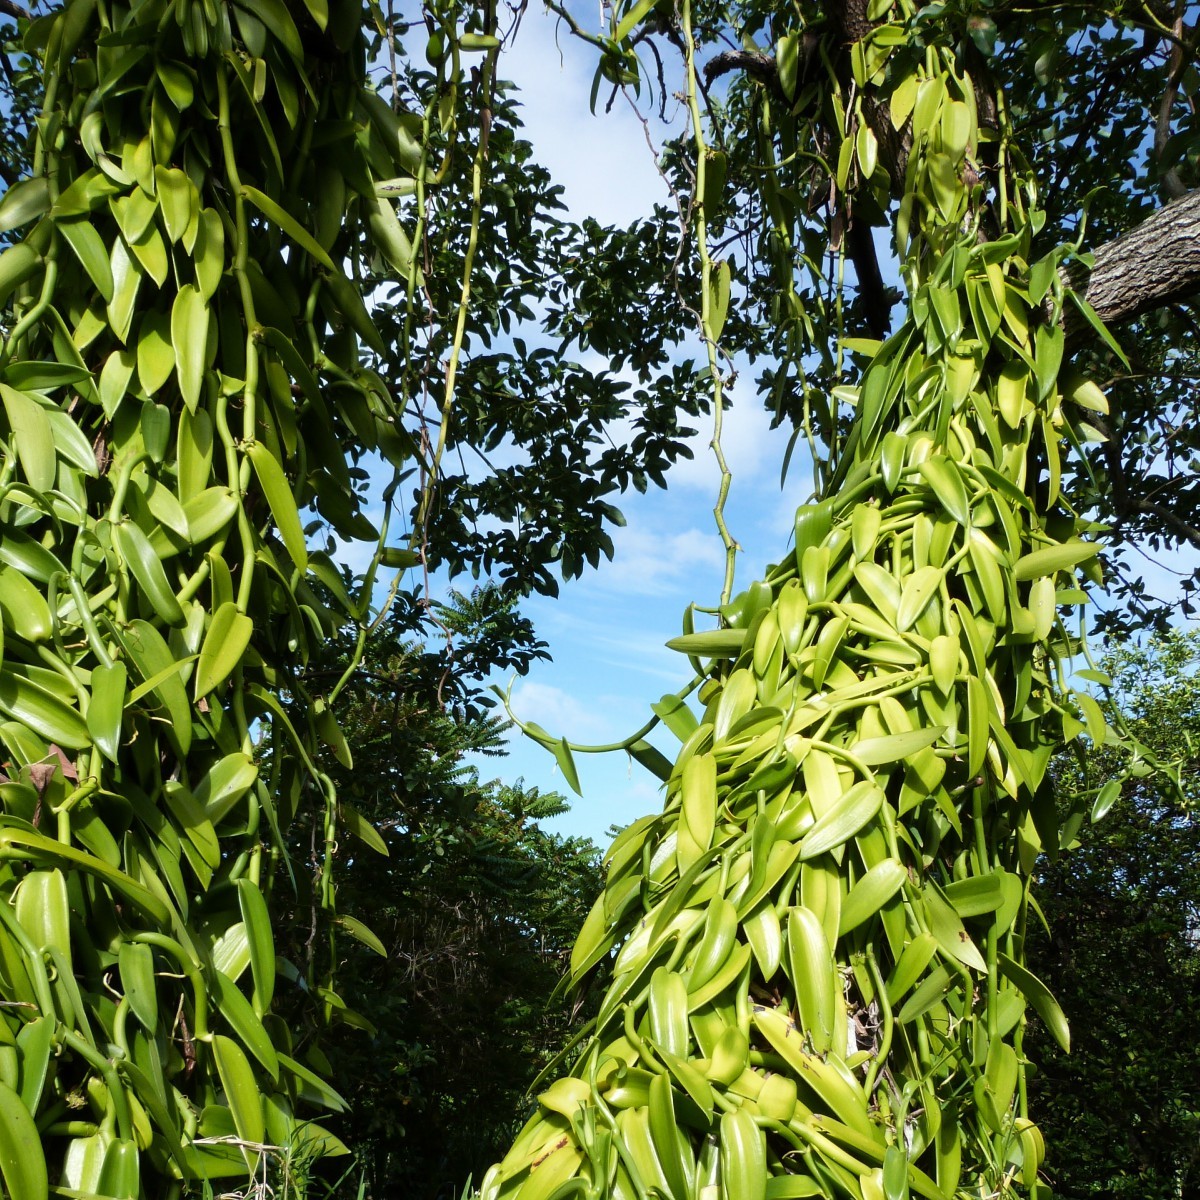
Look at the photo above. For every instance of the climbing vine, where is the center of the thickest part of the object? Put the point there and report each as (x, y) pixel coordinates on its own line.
(187, 402)
(819, 985)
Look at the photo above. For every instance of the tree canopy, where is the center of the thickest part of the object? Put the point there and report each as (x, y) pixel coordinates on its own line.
(1122, 904)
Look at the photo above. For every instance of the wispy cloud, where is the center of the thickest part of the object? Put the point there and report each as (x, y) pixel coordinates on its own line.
(752, 449)
(563, 714)
(654, 562)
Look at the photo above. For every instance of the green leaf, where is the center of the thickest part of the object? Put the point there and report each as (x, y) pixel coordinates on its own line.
(275, 16)
(262, 942)
(349, 300)
(71, 443)
(840, 823)
(43, 909)
(870, 894)
(89, 248)
(136, 962)
(23, 607)
(144, 645)
(226, 782)
(279, 498)
(241, 1088)
(356, 929)
(18, 264)
(189, 342)
(177, 198)
(389, 235)
(676, 716)
(30, 425)
(947, 927)
(917, 591)
(631, 19)
(313, 1088)
(146, 566)
(150, 250)
(127, 278)
(25, 200)
(892, 747)
(716, 643)
(361, 828)
(651, 758)
(1049, 342)
(1049, 560)
(22, 1161)
(224, 646)
(718, 302)
(85, 194)
(35, 1044)
(1107, 796)
(290, 226)
(566, 762)
(319, 11)
(44, 713)
(236, 1009)
(44, 848)
(1039, 995)
(1101, 330)
(155, 351)
(190, 816)
(209, 255)
(944, 477)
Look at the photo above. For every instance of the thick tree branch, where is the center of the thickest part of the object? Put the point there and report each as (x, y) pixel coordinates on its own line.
(759, 66)
(9, 9)
(1155, 264)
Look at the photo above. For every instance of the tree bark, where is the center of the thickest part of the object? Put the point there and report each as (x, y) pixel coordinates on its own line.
(1156, 263)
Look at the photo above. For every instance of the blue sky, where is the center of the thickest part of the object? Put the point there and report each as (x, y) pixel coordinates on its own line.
(607, 631)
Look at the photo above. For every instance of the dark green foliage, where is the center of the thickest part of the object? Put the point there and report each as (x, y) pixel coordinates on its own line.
(20, 91)
(1122, 1113)
(540, 444)
(475, 905)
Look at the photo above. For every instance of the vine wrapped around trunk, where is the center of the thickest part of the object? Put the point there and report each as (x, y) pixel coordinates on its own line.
(182, 393)
(818, 986)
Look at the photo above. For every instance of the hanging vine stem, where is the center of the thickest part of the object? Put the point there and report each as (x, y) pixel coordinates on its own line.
(486, 82)
(417, 538)
(709, 328)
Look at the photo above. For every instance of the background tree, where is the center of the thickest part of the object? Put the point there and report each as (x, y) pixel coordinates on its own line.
(1122, 1111)
(444, 1015)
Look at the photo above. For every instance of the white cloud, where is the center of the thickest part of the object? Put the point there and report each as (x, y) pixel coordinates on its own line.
(654, 562)
(562, 714)
(752, 449)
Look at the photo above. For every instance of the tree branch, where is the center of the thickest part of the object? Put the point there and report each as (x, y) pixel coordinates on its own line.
(1128, 504)
(9, 9)
(1155, 264)
(759, 66)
